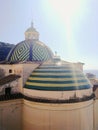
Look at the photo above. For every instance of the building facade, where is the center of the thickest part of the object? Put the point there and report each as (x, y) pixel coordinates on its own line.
(40, 91)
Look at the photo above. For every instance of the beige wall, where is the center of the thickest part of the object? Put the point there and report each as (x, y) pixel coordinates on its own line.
(43, 116)
(6, 68)
(96, 114)
(76, 116)
(79, 65)
(96, 93)
(24, 70)
(57, 94)
(16, 69)
(11, 115)
(27, 70)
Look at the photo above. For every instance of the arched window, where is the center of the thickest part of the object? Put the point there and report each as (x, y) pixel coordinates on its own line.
(10, 70)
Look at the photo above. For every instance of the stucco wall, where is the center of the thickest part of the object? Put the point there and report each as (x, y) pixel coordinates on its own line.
(76, 116)
(16, 69)
(11, 115)
(24, 70)
(57, 94)
(96, 114)
(27, 70)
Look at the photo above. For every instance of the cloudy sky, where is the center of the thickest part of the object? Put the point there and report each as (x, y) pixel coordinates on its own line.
(69, 27)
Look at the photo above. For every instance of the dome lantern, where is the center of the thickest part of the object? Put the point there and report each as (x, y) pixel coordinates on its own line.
(31, 33)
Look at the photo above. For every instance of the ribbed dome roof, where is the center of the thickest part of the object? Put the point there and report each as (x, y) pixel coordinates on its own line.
(30, 50)
(57, 76)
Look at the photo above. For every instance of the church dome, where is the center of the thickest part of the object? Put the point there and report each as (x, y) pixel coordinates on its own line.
(57, 76)
(30, 50)
(57, 80)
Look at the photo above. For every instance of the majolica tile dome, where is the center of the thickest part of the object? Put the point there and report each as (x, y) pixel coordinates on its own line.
(58, 79)
(31, 49)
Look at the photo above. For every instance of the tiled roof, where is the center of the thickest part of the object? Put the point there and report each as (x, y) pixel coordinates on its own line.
(8, 79)
(55, 76)
(30, 50)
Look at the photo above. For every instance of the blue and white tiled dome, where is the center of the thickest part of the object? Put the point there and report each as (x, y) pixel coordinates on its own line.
(30, 50)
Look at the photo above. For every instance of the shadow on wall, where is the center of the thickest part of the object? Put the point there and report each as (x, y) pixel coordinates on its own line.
(2, 73)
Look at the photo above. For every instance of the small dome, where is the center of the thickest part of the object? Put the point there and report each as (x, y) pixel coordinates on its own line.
(57, 75)
(31, 33)
(30, 29)
(29, 50)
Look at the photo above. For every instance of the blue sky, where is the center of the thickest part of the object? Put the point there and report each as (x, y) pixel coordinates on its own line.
(68, 27)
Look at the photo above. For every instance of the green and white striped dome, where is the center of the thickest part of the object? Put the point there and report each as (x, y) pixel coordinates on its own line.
(30, 50)
(57, 76)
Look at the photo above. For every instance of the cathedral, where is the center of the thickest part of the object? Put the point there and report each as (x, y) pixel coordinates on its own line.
(40, 91)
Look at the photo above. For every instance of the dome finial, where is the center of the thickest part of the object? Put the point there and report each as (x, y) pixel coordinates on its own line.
(32, 24)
